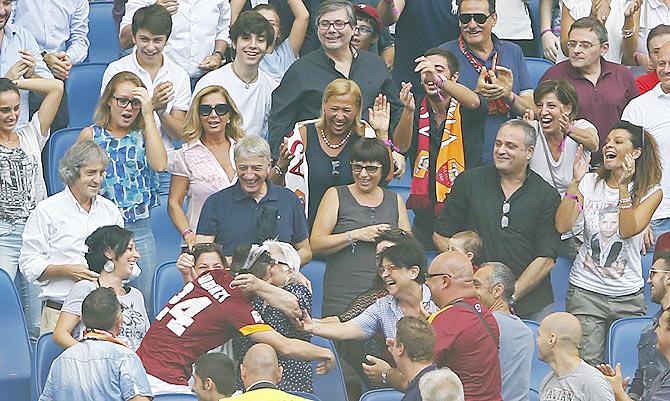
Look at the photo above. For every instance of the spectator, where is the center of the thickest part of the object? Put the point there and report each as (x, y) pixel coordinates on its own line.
(171, 346)
(253, 209)
(261, 372)
(60, 28)
(514, 25)
(209, 256)
(349, 219)
(558, 340)
(299, 95)
(205, 163)
(124, 126)
(249, 87)
(512, 209)
(469, 243)
(22, 184)
(283, 273)
(559, 134)
(368, 26)
(317, 154)
(660, 388)
(467, 335)
(658, 37)
(100, 367)
(113, 255)
(650, 112)
(214, 377)
(448, 111)
(200, 34)
(284, 51)
(441, 385)
(167, 82)
(651, 362)
(412, 352)
(118, 10)
(52, 254)
(494, 285)
(617, 201)
(603, 88)
(492, 68)
(653, 13)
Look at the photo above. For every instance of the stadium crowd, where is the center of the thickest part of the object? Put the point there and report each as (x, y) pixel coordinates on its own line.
(275, 133)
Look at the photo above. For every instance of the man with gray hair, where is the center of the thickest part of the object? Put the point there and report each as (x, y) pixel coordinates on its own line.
(53, 248)
(441, 385)
(254, 209)
(494, 286)
(512, 209)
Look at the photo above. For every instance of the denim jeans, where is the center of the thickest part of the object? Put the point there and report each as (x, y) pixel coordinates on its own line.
(10, 248)
(658, 227)
(146, 246)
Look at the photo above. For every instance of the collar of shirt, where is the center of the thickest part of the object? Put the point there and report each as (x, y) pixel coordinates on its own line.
(425, 300)
(163, 71)
(240, 195)
(605, 69)
(658, 91)
(497, 44)
(415, 381)
(76, 203)
(656, 4)
(261, 384)
(331, 62)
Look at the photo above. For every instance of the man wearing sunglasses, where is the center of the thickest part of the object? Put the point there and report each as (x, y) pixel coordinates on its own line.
(493, 68)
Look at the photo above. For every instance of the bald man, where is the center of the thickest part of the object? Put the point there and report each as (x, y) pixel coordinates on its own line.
(571, 378)
(260, 373)
(467, 335)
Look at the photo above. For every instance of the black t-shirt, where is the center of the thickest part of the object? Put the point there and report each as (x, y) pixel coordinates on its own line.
(476, 203)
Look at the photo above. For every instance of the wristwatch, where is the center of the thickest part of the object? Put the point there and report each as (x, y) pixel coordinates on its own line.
(221, 54)
(385, 376)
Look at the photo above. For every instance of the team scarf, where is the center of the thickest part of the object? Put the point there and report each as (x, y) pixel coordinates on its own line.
(497, 106)
(450, 159)
(102, 335)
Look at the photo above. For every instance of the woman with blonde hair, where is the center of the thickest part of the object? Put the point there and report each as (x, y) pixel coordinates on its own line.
(124, 126)
(316, 155)
(204, 165)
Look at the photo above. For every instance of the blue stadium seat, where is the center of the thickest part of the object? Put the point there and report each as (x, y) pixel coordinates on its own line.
(57, 145)
(536, 68)
(83, 86)
(534, 7)
(329, 387)
(307, 396)
(102, 34)
(168, 239)
(559, 282)
(405, 180)
(167, 282)
(622, 343)
(402, 191)
(176, 397)
(538, 369)
(314, 272)
(385, 394)
(533, 395)
(15, 367)
(46, 351)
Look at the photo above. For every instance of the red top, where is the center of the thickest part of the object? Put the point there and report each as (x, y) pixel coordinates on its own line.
(646, 82)
(464, 345)
(204, 315)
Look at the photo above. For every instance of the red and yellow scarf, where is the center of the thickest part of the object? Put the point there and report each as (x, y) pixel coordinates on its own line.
(102, 335)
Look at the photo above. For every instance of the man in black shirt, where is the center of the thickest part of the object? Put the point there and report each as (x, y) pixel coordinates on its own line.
(513, 209)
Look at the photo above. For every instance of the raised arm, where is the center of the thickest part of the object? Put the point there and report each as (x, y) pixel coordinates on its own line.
(333, 330)
(178, 189)
(52, 90)
(389, 10)
(571, 204)
(156, 154)
(274, 296)
(299, 28)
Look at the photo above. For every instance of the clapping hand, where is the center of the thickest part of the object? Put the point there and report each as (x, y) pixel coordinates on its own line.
(407, 97)
(163, 94)
(581, 164)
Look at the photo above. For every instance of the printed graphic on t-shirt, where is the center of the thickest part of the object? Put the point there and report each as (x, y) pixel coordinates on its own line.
(605, 249)
(558, 394)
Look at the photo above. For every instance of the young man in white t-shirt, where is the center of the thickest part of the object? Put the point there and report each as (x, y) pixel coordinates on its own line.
(250, 88)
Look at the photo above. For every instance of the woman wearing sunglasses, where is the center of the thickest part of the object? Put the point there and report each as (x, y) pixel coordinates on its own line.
(316, 155)
(124, 126)
(349, 220)
(204, 164)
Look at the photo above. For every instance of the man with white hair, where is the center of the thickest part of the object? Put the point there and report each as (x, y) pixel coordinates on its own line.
(441, 385)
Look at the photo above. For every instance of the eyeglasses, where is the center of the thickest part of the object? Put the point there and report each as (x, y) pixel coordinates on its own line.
(277, 262)
(389, 268)
(652, 271)
(364, 30)
(479, 18)
(220, 109)
(357, 168)
(325, 25)
(427, 276)
(572, 44)
(504, 220)
(335, 165)
(123, 102)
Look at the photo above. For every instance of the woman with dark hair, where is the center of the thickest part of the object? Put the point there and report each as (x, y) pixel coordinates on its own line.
(112, 254)
(124, 126)
(348, 221)
(617, 202)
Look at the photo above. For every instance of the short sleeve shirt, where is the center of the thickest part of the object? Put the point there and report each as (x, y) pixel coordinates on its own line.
(585, 383)
(276, 63)
(205, 314)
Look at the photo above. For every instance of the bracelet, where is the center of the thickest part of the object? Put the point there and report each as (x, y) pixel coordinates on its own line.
(627, 33)
(625, 206)
(186, 232)
(392, 145)
(278, 170)
(511, 103)
(351, 242)
(545, 31)
(626, 200)
(574, 198)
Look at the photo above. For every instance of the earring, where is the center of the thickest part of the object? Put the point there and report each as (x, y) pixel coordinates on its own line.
(108, 266)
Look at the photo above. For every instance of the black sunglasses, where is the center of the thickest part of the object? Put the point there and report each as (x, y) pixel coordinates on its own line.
(220, 109)
(478, 17)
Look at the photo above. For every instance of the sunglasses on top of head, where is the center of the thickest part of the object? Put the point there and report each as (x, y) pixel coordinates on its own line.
(220, 109)
(479, 18)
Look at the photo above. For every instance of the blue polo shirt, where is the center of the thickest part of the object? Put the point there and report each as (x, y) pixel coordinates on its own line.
(509, 56)
(412, 393)
(231, 216)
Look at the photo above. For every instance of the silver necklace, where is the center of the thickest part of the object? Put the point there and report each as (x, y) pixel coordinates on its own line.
(336, 146)
(247, 85)
(8, 141)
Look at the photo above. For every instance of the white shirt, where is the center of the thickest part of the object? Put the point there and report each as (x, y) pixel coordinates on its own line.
(614, 23)
(651, 110)
(513, 20)
(55, 233)
(57, 25)
(652, 14)
(253, 100)
(169, 71)
(195, 27)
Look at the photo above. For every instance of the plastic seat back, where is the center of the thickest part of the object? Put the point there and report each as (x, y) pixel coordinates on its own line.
(58, 144)
(329, 387)
(168, 239)
(314, 272)
(307, 396)
(102, 33)
(83, 88)
(622, 342)
(167, 282)
(382, 395)
(536, 68)
(46, 351)
(560, 274)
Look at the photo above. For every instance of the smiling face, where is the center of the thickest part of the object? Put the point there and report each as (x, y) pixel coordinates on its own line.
(550, 110)
(367, 175)
(126, 262)
(9, 110)
(482, 285)
(396, 278)
(252, 173)
(475, 34)
(250, 48)
(587, 49)
(658, 281)
(5, 11)
(149, 46)
(122, 118)
(339, 114)
(442, 68)
(87, 185)
(663, 67)
(330, 37)
(617, 145)
(510, 154)
(208, 261)
(214, 124)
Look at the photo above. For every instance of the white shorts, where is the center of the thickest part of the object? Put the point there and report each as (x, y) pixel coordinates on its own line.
(159, 386)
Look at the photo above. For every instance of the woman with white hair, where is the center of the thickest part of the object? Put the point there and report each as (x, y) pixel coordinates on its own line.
(282, 272)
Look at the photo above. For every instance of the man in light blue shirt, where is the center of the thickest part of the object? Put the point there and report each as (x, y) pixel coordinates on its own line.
(100, 367)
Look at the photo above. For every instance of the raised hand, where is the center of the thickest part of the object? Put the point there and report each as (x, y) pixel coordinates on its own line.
(504, 78)
(407, 97)
(632, 8)
(163, 94)
(143, 96)
(426, 69)
(551, 46)
(581, 165)
(486, 89)
(379, 116)
(628, 169)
